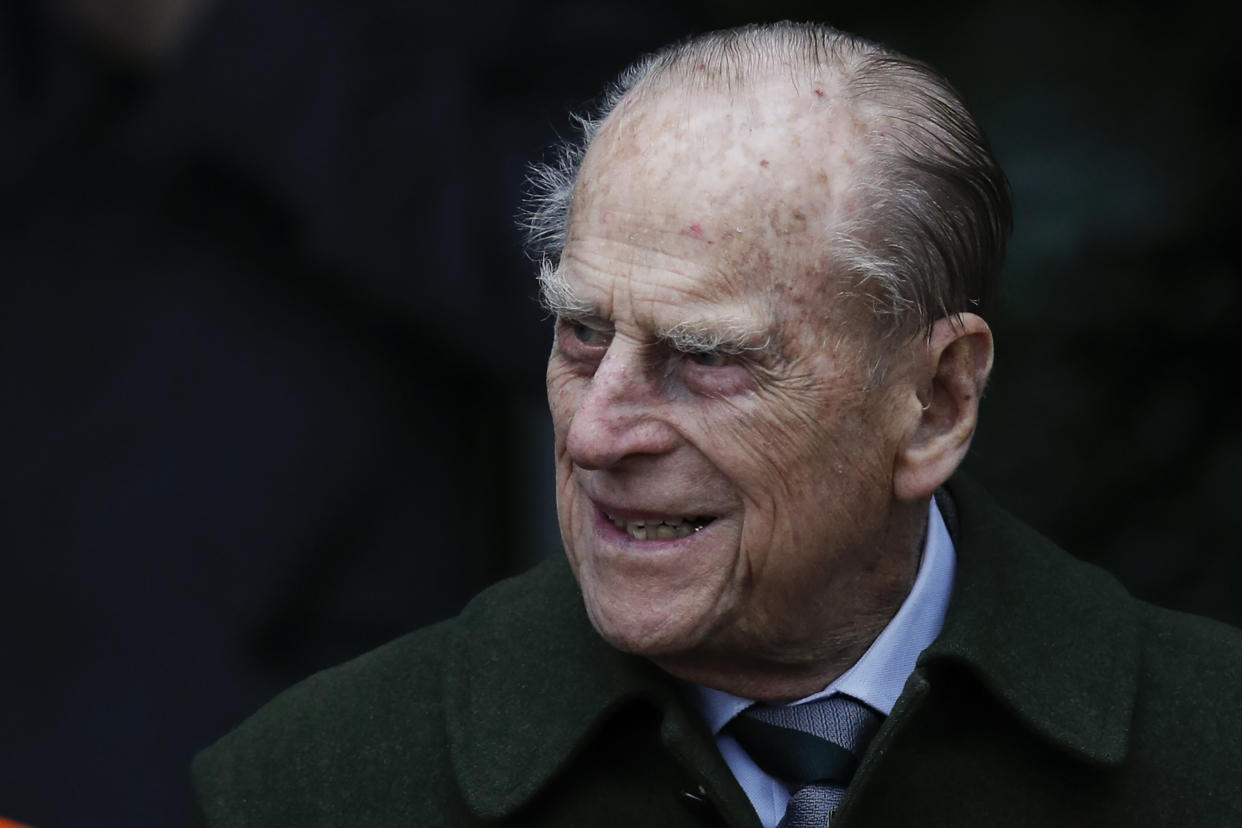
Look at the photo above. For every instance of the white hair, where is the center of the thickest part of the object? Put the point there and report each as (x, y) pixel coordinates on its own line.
(929, 207)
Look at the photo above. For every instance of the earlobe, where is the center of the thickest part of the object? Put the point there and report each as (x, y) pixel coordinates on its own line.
(955, 367)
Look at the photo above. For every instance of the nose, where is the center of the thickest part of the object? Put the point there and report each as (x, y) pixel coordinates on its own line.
(620, 415)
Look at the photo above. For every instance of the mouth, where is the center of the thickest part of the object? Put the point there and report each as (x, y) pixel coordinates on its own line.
(660, 528)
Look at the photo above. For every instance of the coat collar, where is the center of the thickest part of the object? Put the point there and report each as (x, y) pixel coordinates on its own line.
(530, 681)
(1053, 639)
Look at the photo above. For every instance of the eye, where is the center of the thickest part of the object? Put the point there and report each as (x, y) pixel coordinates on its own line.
(582, 340)
(709, 359)
(585, 333)
(716, 372)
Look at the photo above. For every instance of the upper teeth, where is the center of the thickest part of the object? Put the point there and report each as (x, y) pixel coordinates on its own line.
(660, 527)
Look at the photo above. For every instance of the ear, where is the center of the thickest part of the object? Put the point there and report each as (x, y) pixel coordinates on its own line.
(949, 380)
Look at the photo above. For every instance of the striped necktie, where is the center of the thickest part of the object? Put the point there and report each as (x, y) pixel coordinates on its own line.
(813, 747)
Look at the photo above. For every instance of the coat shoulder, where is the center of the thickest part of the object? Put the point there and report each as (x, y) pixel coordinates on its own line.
(1185, 641)
(316, 748)
(1186, 733)
(1190, 686)
(366, 736)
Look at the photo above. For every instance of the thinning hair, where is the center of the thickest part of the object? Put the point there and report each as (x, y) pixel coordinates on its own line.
(927, 206)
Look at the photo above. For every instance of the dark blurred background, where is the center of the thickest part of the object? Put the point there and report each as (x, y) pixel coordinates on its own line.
(272, 366)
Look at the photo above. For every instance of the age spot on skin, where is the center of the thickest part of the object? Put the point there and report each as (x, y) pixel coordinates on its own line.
(819, 93)
(763, 162)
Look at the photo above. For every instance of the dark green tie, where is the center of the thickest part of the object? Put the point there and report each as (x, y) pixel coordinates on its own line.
(813, 747)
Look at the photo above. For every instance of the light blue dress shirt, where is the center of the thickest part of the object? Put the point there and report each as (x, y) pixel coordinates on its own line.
(876, 678)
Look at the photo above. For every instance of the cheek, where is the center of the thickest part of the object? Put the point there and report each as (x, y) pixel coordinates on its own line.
(565, 390)
(765, 441)
(794, 454)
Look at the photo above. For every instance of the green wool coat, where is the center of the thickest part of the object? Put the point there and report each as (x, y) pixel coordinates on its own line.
(1051, 697)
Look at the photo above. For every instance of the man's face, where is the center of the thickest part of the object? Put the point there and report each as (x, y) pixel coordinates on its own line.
(727, 501)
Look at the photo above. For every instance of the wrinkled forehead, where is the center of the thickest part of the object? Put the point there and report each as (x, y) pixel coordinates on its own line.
(774, 140)
(754, 179)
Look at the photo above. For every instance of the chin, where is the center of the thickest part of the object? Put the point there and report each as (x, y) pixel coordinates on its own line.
(645, 631)
(653, 597)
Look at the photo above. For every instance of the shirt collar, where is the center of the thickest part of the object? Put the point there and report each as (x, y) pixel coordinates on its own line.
(879, 675)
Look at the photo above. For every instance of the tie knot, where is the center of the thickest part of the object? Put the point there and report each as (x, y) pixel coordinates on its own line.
(816, 742)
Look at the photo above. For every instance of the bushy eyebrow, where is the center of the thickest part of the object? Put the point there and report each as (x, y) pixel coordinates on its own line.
(726, 336)
(558, 298)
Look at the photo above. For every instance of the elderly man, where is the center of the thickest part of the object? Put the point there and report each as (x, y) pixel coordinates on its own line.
(766, 265)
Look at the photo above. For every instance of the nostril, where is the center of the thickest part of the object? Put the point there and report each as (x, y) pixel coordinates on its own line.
(597, 429)
(587, 442)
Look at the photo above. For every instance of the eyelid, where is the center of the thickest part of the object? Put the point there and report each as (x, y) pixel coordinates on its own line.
(594, 323)
(724, 349)
(725, 358)
(730, 353)
(583, 336)
(597, 327)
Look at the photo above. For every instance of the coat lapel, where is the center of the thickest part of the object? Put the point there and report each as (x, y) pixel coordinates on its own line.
(1054, 639)
(531, 683)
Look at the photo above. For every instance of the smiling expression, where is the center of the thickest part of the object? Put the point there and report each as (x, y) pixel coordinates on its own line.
(723, 469)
